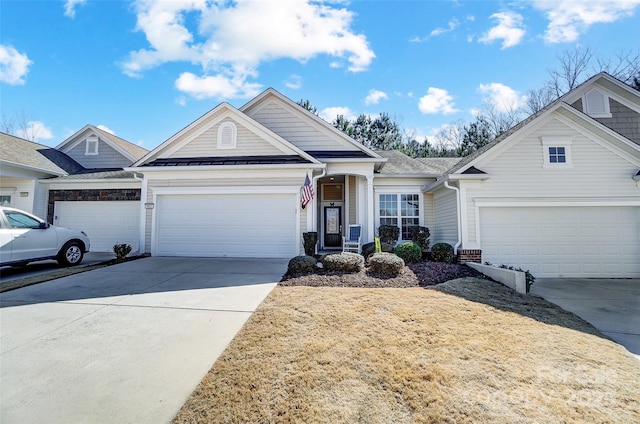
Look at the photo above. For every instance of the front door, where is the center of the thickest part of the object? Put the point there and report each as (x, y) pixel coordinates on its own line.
(332, 226)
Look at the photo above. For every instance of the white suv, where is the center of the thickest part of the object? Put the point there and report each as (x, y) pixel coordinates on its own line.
(26, 238)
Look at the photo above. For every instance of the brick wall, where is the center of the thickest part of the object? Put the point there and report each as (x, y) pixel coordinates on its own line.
(469, 255)
(90, 196)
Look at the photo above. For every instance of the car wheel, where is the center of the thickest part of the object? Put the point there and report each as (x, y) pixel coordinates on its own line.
(71, 254)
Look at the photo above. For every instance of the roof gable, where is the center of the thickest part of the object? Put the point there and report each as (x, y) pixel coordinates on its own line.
(111, 150)
(200, 140)
(297, 125)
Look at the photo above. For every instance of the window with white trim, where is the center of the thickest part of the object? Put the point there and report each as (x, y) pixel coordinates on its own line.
(556, 152)
(400, 210)
(5, 200)
(227, 134)
(91, 145)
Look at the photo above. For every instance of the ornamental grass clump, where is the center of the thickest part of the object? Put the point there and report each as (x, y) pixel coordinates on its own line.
(409, 251)
(386, 263)
(302, 265)
(343, 262)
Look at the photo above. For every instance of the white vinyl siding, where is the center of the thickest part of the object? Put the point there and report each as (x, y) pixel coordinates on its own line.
(563, 241)
(13, 187)
(518, 172)
(446, 219)
(296, 130)
(247, 144)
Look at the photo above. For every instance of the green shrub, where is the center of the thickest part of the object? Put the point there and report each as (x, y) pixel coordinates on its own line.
(442, 252)
(121, 250)
(302, 265)
(409, 251)
(369, 249)
(386, 263)
(421, 236)
(344, 262)
(389, 234)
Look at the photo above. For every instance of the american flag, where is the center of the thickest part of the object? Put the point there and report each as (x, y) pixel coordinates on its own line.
(307, 192)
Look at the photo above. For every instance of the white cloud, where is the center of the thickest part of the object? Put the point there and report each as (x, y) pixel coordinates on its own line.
(437, 100)
(216, 86)
(509, 30)
(374, 97)
(502, 97)
(70, 7)
(13, 65)
(234, 38)
(294, 82)
(106, 129)
(181, 100)
(330, 113)
(35, 131)
(453, 24)
(569, 18)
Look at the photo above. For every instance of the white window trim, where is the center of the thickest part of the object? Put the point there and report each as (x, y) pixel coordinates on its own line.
(234, 135)
(91, 146)
(556, 142)
(585, 105)
(398, 195)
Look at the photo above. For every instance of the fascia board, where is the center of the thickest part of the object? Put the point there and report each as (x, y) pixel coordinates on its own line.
(71, 141)
(166, 169)
(31, 168)
(77, 138)
(315, 121)
(594, 82)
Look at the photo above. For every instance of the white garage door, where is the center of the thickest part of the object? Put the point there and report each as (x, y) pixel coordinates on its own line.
(106, 223)
(233, 225)
(563, 241)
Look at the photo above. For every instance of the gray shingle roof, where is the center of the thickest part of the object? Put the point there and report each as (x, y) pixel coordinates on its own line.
(99, 175)
(134, 150)
(34, 155)
(400, 164)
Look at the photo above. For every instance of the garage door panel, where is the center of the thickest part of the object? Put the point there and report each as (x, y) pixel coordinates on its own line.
(105, 222)
(233, 225)
(570, 241)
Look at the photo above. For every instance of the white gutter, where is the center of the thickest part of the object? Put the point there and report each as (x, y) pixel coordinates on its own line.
(458, 211)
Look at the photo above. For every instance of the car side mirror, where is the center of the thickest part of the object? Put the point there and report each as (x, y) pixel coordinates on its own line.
(44, 225)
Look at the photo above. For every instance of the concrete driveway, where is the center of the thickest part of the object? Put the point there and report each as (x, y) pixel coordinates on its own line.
(610, 305)
(126, 343)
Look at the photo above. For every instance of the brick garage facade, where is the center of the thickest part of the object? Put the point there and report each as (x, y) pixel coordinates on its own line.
(469, 255)
(89, 196)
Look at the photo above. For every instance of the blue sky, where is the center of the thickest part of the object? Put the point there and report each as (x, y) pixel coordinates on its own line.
(145, 70)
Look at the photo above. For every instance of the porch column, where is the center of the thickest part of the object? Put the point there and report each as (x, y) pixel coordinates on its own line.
(370, 211)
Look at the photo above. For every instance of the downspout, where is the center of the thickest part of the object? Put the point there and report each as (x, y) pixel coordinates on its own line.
(314, 212)
(143, 214)
(458, 211)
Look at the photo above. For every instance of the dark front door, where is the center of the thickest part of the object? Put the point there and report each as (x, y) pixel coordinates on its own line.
(332, 226)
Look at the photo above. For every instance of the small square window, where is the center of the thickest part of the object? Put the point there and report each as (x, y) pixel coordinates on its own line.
(557, 155)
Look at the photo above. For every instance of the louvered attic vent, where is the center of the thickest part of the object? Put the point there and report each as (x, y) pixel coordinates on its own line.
(596, 104)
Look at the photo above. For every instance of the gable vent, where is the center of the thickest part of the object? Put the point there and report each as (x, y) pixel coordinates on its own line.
(227, 136)
(596, 104)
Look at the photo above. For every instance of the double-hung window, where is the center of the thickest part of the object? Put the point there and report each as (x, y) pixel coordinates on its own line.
(400, 210)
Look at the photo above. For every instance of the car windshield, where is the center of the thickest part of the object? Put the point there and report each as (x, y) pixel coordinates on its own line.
(19, 220)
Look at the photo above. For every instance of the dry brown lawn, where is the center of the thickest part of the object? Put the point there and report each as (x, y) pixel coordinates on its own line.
(468, 351)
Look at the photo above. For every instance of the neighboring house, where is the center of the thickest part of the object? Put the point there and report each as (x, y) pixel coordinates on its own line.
(559, 194)
(22, 165)
(80, 184)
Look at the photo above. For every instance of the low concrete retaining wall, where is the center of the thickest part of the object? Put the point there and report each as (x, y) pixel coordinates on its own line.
(516, 280)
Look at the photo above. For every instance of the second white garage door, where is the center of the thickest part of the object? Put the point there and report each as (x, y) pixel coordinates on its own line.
(226, 225)
(564, 241)
(106, 223)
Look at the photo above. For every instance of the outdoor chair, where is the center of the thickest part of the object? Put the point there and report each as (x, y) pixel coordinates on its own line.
(352, 243)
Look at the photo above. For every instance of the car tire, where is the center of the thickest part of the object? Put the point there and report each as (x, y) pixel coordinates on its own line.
(71, 254)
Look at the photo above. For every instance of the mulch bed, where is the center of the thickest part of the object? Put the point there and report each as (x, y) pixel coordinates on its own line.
(418, 274)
